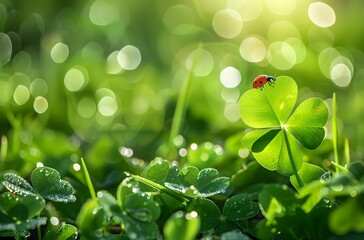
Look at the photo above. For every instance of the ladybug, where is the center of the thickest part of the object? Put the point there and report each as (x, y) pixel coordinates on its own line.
(261, 80)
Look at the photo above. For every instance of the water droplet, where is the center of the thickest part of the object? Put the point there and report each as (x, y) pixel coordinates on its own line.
(100, 194)
(191, 215)
(337, 188)
(99, 233)
(184, 171)
(141, 214)
(179, 214)
(94, 211)
(194, 146)
(353, 193)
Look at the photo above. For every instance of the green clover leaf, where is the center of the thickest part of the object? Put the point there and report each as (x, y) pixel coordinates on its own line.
(279, 128)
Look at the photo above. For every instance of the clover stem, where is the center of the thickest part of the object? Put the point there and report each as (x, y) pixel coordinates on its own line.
(176, 195)
(182, 103)
(335, 131)
(291, 159)
(347, 152)
(88, 180)
(4, 148)
(39, 232)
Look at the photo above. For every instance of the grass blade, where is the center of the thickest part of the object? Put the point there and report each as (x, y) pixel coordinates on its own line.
(88, 180)
(335, 132)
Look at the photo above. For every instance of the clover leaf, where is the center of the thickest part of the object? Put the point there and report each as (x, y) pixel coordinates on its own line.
(195, 183)
(47, 181)
(279, 128)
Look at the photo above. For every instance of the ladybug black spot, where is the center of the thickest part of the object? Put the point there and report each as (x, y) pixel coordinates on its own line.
(261, 82)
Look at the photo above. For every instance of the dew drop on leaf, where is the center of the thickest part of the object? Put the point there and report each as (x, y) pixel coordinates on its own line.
(184, 171)
(141, 214)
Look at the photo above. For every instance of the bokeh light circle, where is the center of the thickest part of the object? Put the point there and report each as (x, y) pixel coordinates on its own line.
(227, 23)
(341, 71)
(341, 75)
(230, 94)
(5, 48)
(22, 62)
(59, 52)
(325, 60)
(103, 13)
(201, 62)
(40, 104)
(321, 14)
(129, 57)
(112, 64)
(75, 79)
(299, 48)
(281, 7)
(21, 94)
(38, 87)
(231, 111)
(281, 55)
(253, 49)
(107, 106)
(230, 77)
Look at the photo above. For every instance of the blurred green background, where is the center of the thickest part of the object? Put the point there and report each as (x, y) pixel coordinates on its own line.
(100, 79)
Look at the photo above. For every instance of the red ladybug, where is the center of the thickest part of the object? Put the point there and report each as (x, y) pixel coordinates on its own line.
(261, 80)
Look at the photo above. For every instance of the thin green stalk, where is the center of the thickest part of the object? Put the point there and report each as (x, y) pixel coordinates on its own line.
(347, 152)
(16, 125)
(180, 197)
(4, 148)
(39, 231)
(88, 181)
(335, 132)
(299, 181)
(339, 167)
(182, 103)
